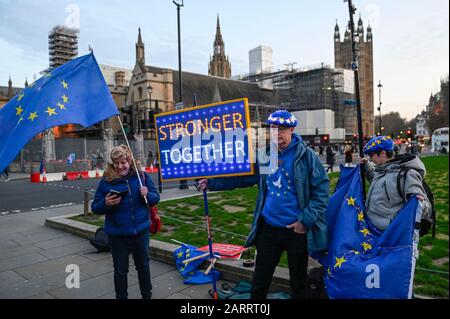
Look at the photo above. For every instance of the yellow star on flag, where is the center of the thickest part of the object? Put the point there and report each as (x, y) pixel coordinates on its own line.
(19, 110)
(339, 262)
(61, 106)
(20, 97)
(373, 144)
(50, 111)
(180, 254)
(355, 252)
(360, 216)
(365, 231)
(378, 142)
(65, 98)
(366, 246)
(32, 116)
(351, 201)
(64, 84)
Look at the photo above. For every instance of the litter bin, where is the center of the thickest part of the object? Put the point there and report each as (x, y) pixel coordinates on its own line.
(35, 177)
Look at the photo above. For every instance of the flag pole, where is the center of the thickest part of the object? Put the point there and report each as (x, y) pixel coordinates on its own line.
(132, 156)
(211, 253)
(212, 259)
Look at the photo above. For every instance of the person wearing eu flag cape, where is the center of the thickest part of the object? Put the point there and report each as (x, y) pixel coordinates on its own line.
(290, 213)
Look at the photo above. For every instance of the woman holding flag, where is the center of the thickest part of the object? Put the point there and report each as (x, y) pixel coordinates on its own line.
(121, 198)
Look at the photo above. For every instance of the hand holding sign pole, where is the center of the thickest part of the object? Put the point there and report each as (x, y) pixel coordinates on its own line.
(205, 142)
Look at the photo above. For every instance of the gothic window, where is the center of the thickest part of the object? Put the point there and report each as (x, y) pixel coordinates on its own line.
(140, 93)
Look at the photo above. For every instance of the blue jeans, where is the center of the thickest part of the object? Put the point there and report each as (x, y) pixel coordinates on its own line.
(121, 247)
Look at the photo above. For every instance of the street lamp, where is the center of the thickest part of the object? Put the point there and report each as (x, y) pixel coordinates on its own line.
(379, 99)
(183, 183)
(354, 64)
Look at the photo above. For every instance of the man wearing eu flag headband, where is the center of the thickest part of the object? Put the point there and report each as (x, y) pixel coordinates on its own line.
(290, 209)
(393, 179)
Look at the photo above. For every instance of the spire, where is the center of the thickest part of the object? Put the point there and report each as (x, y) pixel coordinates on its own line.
(347, 34)
(219, 64)
(360, 22)
(10, 90)
(218, 25)
(140, 49)
(216, 97)
(140, 37)
(218, 42)
(337, 35)
(369, 33)
(360, 29)
(26, 82)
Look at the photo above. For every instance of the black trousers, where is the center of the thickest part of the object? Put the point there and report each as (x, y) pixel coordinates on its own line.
(271, 242)
(121, 247)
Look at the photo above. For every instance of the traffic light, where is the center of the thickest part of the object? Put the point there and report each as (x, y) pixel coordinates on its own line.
(409, 133)
(151, 117)
(325, 139)
(128, 120)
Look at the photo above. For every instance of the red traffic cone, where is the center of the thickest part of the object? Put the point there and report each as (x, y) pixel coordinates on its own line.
(44, 177)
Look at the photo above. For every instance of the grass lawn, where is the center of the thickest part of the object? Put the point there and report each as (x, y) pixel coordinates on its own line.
(231, 215)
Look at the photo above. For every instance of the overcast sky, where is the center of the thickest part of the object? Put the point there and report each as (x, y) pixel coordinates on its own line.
(411, 45)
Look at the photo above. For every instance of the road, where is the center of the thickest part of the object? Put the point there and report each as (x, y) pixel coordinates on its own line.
(18, 196)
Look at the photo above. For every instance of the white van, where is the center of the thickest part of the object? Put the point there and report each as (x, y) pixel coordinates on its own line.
(439, 140)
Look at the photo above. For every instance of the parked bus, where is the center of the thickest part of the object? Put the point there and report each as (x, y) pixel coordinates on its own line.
(439, 140)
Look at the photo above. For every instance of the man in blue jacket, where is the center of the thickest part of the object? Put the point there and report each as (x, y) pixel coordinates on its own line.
(290, 209)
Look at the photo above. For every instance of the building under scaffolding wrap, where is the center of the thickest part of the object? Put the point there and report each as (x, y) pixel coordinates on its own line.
(314, 88)
(62, 45)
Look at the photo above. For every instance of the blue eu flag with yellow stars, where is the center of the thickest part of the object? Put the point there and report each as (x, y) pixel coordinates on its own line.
(190, 270)
(74, 93)
(362, 261)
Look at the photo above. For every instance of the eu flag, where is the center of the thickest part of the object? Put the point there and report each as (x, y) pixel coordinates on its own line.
(362, 261)
(74, 93)
(190, 270)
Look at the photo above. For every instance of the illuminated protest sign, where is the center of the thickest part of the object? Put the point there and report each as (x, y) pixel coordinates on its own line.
(205, 141)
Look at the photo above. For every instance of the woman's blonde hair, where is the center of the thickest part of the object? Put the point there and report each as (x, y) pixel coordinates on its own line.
(118, 153)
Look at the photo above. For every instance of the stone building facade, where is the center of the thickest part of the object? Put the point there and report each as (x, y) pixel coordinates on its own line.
(343, 57)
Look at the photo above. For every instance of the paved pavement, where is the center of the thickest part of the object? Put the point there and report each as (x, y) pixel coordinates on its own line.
(34, 258)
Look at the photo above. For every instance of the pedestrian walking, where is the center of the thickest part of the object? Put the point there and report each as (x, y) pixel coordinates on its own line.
(330, 160)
